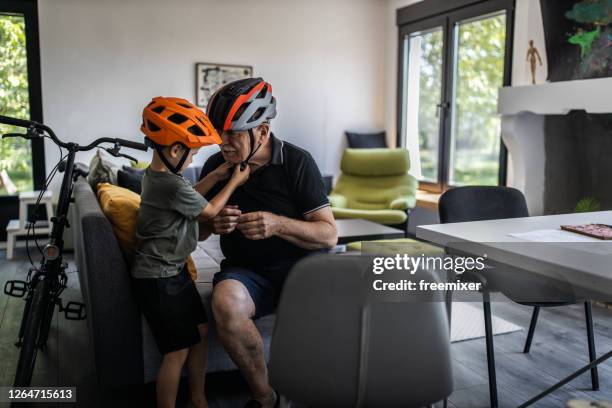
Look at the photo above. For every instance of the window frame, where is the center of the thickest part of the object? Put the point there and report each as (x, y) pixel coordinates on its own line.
(429, 14)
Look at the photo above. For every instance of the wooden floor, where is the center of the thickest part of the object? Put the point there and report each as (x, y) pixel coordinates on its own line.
(559, 347)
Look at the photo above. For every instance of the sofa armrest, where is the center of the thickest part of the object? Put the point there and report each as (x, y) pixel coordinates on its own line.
(387, 217)
(403, 203)
(337, 200)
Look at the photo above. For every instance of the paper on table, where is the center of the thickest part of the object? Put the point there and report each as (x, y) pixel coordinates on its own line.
(553, 235)
(564, 238)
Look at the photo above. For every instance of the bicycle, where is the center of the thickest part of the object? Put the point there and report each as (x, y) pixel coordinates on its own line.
(45, 283)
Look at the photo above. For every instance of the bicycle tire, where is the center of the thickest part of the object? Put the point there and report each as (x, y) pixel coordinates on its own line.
(29, 345)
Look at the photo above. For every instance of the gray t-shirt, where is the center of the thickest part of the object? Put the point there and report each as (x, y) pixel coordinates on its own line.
(167, 228)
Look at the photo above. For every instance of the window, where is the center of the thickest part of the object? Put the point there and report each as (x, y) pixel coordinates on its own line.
(452, 65)
(476, 127)
(16, 164)
(425, 85)
(22, 164)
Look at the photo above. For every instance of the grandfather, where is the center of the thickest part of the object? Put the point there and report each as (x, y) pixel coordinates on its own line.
(280, 215)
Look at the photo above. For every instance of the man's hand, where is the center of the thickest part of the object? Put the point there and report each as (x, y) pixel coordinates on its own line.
(227, 219)
(259, 225)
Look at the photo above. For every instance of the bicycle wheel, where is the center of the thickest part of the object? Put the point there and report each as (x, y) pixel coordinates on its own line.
(29, 345)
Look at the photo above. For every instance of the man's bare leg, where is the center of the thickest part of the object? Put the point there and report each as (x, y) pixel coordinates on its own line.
(196, 369)
(233, 309)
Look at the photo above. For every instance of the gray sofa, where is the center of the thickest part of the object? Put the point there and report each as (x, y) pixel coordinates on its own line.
(124, 352)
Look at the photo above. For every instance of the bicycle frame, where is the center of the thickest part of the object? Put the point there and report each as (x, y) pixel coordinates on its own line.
(53, 270)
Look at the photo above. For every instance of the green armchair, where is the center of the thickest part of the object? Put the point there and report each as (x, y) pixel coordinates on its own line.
(375, 185)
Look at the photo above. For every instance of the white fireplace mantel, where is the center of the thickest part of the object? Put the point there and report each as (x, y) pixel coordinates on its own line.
(523, 111)
(557, 98)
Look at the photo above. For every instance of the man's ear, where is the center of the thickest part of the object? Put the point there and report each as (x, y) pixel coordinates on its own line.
(264, 132)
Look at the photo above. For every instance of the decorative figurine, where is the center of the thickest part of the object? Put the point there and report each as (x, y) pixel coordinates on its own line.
(532, 54)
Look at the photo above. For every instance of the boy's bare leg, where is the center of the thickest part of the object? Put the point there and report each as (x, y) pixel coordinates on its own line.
(168, 378)
(196, 369)
(233, 309)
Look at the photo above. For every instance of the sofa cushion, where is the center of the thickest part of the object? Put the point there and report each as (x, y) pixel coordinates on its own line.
(121, 207)
(366, 140)
(375, 162)
(130, 178)
(102, 169)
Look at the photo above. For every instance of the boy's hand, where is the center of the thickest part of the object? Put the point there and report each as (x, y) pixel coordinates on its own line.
(225, 222)
(222, 172)
(241, 176)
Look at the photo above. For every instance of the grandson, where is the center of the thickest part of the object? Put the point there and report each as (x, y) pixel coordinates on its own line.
(167, 233)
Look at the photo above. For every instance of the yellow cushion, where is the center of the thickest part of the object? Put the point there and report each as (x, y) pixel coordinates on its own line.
(121, 207)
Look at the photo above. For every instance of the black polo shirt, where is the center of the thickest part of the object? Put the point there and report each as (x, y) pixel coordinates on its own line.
(289, 185)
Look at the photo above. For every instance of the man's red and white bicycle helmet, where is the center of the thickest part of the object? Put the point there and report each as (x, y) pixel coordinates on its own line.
(242, 105)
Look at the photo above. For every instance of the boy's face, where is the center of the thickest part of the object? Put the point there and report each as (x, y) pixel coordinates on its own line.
(175, 153)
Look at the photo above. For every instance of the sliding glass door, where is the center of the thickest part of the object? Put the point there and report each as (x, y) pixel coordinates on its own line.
(452, 67)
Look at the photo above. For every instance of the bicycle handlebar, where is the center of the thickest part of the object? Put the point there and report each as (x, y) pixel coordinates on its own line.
(16, 122)
(22, 135)
(41, 127)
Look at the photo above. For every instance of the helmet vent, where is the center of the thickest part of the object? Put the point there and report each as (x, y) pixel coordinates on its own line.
(184, 105)
(194, 130)
(152, 126)
(177, 118)
(158, 109)
(257, 114)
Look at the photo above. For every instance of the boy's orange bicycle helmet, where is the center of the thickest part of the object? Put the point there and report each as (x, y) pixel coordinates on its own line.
(167, 121)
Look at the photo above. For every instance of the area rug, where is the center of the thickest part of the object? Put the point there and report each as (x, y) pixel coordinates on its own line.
(467, 323)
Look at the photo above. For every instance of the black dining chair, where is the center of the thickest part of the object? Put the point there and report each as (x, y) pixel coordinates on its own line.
(466, 204)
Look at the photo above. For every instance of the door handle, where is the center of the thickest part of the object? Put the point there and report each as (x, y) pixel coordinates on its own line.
(440, 106)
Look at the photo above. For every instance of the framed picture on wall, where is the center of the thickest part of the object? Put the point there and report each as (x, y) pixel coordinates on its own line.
(578, 38)
(210, 77)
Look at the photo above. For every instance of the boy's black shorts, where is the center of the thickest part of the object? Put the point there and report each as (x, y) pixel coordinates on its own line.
(173, 308)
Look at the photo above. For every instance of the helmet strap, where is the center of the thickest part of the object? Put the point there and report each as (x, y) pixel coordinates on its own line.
(174, 169)
(253, 150)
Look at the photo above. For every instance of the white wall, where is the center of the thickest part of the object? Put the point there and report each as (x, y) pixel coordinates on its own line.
(102, 61)
(529, 26)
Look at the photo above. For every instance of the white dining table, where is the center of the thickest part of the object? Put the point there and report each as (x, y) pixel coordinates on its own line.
(538, 245)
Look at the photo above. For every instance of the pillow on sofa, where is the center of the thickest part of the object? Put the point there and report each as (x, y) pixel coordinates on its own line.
(102, 169)
(130, 178)
(121, 207)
